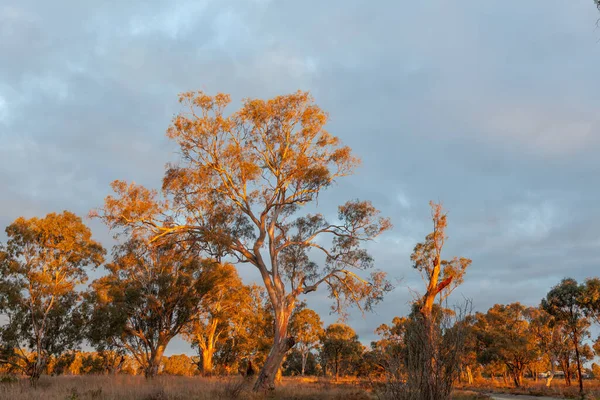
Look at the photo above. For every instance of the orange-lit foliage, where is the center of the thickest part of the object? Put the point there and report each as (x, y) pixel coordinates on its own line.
(222, 314)
(41, 264)
(440, 276)
(239, 190)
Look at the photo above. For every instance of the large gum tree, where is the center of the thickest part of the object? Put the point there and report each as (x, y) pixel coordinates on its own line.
(240, 188)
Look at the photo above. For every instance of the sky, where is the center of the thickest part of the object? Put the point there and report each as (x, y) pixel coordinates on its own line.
(488, 106)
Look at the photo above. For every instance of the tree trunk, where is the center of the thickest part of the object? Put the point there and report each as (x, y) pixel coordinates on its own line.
(207, 360)
(154, 362)
(281, 345)
(566, 367)
(36, 369)
(550, 377)
(517, 377)
(304, 358)
(207, 346)
(577, 357)
(469, 375)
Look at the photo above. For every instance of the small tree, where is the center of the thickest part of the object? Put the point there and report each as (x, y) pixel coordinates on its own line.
(180, 364)
(239, 192)
(505, 335)
(149, 294)
(220, 310)
(440, 276)
(340, 348)
(565, 302)
(41, 264)
(307, 328)
(552, 340)
(435, 336)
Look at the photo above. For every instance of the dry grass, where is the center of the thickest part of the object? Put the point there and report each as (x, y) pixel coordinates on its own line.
(557, 389)
(469, 395)
(126, 387)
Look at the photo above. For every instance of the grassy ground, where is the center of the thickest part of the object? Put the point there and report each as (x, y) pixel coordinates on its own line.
(557, 389)
(125, 387)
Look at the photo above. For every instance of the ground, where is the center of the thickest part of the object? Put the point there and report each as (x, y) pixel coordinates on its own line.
(126, 387)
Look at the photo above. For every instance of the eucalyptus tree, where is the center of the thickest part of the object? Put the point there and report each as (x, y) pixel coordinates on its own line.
(151, 292)
(240, 190)
(307, 328)
(41, 264)
(566, 303)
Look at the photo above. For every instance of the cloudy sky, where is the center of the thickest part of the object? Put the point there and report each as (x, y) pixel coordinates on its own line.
(488, 106)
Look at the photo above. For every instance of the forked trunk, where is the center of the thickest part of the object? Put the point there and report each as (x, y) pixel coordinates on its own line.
(281, 345)
(36, 369)
(154, 362)
(517, 378)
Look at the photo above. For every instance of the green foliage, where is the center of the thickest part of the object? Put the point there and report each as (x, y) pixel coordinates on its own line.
(566, 302)
(295, 361)
(340, 350)
(41, 264)
(307, 328)
(151, 291)
(505, 335)
(590, 298)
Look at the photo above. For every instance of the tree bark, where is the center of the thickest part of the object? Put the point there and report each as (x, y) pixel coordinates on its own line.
(36, 369)
(154, 362)
(304, 358)
(578, 359)
(566, 367)
(281, 345)
(207, 360)
(469, 375)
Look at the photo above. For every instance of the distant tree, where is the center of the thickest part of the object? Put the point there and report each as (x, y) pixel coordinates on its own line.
(591, 298)
(306, 326)
(340, 348)
(150, 293)
(597, 346)
(505, 335)
(435, 337)
(440, 276)
(220, 310)
(295, 361)
(389, 352)
(41, 265)
(552, 340)
(180, 364)
(250, 337)
(239, 190)
(596, 370)
(565, 302)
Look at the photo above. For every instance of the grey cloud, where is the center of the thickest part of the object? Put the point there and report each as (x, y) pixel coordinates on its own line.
(490, 107)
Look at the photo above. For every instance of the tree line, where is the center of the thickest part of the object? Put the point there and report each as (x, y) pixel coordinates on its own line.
(241, 194)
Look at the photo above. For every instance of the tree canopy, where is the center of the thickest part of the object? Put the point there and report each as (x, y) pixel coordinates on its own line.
(41, 265)
(238, 192)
